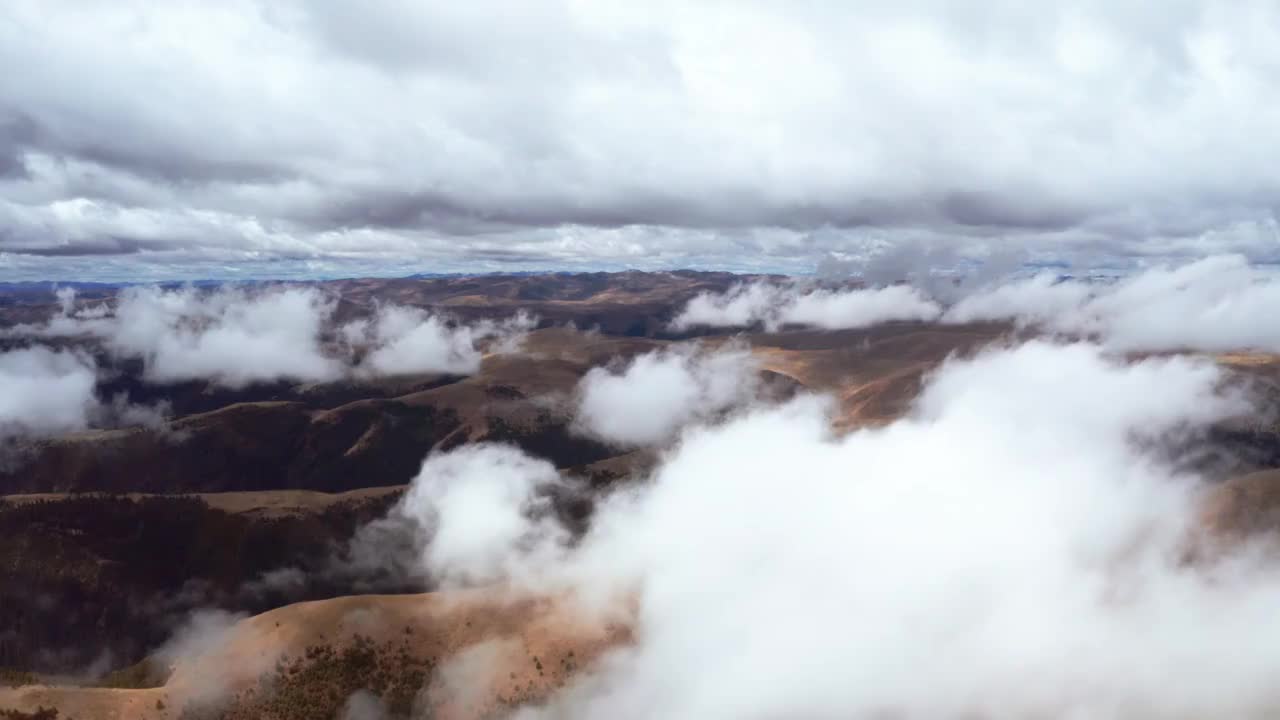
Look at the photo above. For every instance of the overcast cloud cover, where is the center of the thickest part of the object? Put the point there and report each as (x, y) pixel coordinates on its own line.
(291, 138)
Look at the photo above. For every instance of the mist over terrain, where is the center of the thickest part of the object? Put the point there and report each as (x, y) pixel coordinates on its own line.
(1050, 495)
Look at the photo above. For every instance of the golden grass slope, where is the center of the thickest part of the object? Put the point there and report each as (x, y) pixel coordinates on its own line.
(459, 655)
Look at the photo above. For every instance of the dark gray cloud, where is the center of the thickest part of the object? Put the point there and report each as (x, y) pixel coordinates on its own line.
(986, 209)
(476, 215)
(146, 157)
(763, 134)
(11, 163)
(96, 246)
(16, 132)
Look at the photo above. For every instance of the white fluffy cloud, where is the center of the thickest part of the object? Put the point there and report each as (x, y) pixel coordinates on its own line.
(230, 336)
(656, 394)
(476, 506)
(602, 133)
(1007, 550)
(403, 340)
(742, 305)
(236, 337)
(45, 391)
(774, 306)
(1032, 301)
(1215, 304)
(836, 309)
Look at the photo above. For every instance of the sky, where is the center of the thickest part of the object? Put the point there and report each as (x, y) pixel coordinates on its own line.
(282, 138)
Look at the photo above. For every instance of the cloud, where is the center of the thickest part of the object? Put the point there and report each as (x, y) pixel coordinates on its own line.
(478, 509)
(69, 320)
(606, 136)
(835, 310)
(1008, 549)
(1218, 303)
(236, 336)
(741, 306)
(403, 340)
(230, 336)
(119, 412)
(774, 306)
(44, 391)
(66, 299)
(207, 660)
(1032, 301)
(364, 705)
(204, 633)
(470, 678)
(651, 398)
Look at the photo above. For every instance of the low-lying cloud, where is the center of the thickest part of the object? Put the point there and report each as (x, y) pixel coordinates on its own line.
(236, 337)
(653, 396)
(45, 391)
(1015, 547)
(404, 340)
(478, 509)
(774, 306)
(741, 306)
(230, 337)
(838, 310)
(1218, 303)
(1214, 304)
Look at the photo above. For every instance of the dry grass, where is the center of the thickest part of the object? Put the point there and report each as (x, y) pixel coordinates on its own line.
(305, 660)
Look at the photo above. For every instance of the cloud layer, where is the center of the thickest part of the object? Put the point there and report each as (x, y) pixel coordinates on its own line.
(651, 398)
(235, 337)
(476, 506)
(402, 340)
(1215, 304)
(230, 337)
(1219, 303)
(775, 306)
(1007, 550)
(581, 134)
(45, 391)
